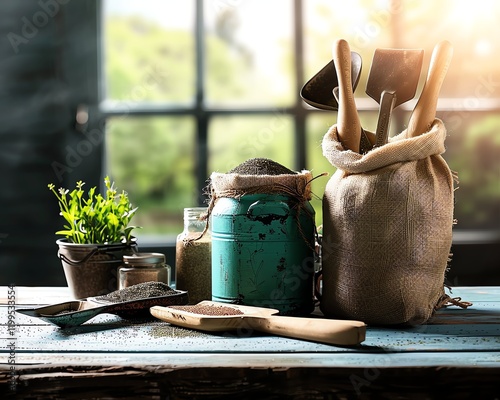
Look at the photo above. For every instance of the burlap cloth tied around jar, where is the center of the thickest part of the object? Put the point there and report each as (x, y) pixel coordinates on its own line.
(387, 229)
(296, 185)
(236, 185)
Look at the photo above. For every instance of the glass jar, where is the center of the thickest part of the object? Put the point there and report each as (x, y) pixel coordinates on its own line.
(143, 267)
(193, 257)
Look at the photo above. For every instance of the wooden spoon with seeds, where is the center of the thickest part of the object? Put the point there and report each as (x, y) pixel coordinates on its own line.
(219, 317)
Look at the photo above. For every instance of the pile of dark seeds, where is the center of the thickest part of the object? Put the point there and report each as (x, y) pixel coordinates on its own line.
(205, 309)
(139, 291)
(261, 166)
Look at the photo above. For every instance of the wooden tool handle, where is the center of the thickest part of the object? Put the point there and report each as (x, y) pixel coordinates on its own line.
(425, 110)
(330, 331)
(348, 123)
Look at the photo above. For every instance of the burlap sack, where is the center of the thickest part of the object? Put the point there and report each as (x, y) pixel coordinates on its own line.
(387, 229)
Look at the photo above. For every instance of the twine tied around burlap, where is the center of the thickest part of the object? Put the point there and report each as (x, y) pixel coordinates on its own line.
(387, 229)
(296, 186)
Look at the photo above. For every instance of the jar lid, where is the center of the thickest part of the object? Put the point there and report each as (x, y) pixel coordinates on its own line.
(144, 258)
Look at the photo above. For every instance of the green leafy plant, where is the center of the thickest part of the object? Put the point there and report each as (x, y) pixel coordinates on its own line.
(95, 218)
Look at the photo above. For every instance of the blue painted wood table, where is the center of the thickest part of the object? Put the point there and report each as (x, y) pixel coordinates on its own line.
(456, 355)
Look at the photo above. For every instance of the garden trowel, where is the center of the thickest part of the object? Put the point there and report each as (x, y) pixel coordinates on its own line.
(392, 80)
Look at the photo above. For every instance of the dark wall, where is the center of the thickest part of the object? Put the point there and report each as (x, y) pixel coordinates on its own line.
(43, 78)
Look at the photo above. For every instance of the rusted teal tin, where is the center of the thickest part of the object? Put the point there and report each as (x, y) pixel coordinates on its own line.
(262, 252)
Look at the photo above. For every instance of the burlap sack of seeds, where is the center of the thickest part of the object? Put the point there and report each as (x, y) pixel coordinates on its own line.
(387, 229)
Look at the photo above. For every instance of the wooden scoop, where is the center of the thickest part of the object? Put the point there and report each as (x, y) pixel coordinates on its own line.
(330, 331)
(348, 123)
(425, 110)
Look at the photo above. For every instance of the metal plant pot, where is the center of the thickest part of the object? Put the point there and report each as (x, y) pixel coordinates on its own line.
(91, 269)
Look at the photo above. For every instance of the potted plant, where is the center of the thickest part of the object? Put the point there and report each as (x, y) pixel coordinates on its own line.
(96, 236)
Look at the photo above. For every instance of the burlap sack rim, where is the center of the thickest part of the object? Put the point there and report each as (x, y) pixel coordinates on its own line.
(235, 185)
(398, 149)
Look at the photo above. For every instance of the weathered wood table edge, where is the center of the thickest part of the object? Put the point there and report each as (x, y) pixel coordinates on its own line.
(308, 373)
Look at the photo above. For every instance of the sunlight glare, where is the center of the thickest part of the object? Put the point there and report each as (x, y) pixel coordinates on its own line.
(483, 47)
(468, 13)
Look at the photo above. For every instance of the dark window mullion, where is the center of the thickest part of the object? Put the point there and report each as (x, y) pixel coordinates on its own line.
(300, 142)
(202, 118)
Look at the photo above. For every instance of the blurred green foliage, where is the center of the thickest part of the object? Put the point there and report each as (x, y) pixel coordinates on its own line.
(153, 158)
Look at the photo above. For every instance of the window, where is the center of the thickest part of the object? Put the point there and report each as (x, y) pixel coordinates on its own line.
(199, 86)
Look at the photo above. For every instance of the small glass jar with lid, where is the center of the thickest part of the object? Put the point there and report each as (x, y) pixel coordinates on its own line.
(143, 267)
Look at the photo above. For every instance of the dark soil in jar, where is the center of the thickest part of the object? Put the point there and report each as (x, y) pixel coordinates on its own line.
(261, 166)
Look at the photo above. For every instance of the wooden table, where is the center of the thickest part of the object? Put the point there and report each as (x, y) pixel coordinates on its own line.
(456, 355)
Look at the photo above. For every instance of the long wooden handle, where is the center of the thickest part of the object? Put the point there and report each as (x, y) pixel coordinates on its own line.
(330, 331)
(425, 110)
(348, 123)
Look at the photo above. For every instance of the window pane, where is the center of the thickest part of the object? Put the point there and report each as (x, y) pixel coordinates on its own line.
(249, 53)
(233, 140)
(325, 21)
(474, 32)
(149, 50)
(473, 151)
(472, 29)
(153, 160)
(472, 81)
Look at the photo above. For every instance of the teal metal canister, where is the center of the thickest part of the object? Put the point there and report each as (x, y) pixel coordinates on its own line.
(262, 252)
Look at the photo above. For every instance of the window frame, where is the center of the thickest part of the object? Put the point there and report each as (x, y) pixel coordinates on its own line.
(466, 241)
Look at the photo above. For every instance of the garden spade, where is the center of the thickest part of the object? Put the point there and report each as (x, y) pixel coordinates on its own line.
(392, 80)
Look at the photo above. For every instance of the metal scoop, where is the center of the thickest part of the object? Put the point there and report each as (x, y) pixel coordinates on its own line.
(318, 91)
(74, 313)
(322, 91)
(393, 80)
(330, 331)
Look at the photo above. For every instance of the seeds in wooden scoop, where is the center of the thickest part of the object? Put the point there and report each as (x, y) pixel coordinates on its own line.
(205, 309)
